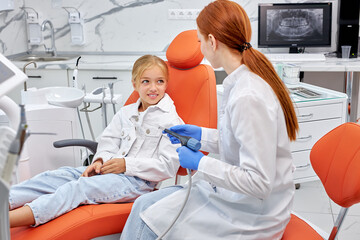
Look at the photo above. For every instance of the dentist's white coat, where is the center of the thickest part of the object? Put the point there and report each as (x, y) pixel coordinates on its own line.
(247, 194)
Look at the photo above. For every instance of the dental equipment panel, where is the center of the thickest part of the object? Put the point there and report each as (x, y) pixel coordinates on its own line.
(10, 77)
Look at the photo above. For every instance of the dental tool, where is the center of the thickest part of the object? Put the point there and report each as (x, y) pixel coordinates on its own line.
(15, 147)
(189, 142)
(103, 109)
(88, 117)
(75, 73)
(111, 87)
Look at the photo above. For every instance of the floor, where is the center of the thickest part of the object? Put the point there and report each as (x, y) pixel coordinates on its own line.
(312, 203)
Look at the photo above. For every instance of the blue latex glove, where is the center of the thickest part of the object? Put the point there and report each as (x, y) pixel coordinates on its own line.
(189, 158)
(185, 130)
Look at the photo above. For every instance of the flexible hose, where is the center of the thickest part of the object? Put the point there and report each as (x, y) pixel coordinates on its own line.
(182, 207)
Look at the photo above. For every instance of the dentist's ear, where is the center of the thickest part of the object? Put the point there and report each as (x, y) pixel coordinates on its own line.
(213, 41)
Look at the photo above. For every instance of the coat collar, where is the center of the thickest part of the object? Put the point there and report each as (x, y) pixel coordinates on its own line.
(164, 105)
(231, 79)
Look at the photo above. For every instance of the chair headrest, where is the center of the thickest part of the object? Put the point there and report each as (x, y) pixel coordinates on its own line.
(184, 51)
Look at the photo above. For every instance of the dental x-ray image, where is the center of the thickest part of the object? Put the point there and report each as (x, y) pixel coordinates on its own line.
(294, 24)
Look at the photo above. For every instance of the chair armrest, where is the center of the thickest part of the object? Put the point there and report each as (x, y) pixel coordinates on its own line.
(91, 145)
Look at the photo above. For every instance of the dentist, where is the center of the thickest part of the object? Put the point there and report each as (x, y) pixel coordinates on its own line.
(248, 192)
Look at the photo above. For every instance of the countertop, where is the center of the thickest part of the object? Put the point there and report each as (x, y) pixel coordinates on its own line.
(125, 62)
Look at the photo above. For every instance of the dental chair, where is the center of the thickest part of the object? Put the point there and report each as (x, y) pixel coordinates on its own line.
(192, 86)
(336, 160)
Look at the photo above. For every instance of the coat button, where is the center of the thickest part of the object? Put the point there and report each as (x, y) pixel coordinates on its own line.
(136, 118)
(122, 133)
(147, 131)
(129, 138)
(123, 153)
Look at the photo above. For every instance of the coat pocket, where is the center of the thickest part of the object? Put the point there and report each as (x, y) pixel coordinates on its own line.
(127, 136)
(152, 136)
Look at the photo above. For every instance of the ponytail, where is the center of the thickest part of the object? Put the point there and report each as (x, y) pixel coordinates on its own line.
(260, 65)
(229, 24)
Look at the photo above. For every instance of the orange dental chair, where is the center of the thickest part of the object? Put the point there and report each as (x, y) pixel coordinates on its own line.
(192, 86)
(336, 160)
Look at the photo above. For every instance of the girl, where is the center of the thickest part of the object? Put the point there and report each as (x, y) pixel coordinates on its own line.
(248, 193)
(131, 158)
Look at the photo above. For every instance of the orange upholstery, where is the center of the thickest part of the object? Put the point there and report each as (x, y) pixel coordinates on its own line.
(85, 222)
(336, 160)
(298, 229)
(193, 89)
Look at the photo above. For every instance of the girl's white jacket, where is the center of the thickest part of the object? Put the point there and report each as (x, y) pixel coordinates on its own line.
(138, 138)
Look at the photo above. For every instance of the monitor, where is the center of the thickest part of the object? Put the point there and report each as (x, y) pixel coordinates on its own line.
(295, 25)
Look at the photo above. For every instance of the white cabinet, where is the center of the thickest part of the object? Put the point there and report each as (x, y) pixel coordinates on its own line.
(316, 117)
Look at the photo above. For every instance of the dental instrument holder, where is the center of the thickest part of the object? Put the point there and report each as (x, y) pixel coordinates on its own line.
(33, 21)
(76, 26)
(96, 97)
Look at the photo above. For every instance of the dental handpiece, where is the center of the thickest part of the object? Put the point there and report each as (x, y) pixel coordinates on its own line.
(189, 142)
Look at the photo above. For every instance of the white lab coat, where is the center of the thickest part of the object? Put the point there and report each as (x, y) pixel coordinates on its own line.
(247, 194)
(138, 138)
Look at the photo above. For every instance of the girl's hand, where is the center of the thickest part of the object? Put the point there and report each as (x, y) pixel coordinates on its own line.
(115, 165)
(93, 169)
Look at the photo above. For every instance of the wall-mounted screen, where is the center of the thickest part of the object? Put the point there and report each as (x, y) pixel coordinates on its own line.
(295, 25)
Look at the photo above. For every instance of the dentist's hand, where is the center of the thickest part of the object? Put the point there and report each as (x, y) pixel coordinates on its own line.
(93, 169)
(189, 158)
(185, 130)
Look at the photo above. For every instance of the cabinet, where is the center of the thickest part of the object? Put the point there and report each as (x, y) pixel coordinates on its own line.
(316, 117)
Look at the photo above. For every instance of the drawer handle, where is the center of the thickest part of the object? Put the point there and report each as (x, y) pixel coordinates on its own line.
(303, 166)
(307, 116)
(34, 76)
(105, 78)
(304, 139)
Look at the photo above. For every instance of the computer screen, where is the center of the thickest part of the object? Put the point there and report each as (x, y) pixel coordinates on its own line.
(295, 25)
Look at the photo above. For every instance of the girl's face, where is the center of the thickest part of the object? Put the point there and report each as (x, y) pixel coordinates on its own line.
(151, 87)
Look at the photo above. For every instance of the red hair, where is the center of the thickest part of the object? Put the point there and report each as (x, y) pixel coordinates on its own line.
(228, 22)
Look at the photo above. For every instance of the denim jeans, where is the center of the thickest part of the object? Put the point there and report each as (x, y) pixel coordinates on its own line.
(135, 228)
(53, 193)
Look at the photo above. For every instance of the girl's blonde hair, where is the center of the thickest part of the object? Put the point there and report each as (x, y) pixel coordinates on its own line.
(228, 22)
(145, 62)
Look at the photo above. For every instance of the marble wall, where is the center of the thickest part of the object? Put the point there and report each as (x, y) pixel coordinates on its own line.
(110, 25)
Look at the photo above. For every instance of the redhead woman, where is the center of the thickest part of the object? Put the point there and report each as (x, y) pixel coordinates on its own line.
(248, 192)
